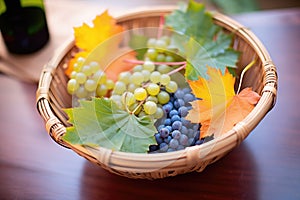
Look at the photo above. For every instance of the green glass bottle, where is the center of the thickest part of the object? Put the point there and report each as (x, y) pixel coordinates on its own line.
(23, 25)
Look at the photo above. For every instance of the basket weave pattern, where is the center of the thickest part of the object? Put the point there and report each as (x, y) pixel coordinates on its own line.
(52, 97)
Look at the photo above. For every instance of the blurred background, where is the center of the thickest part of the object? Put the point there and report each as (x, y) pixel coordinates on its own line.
(226, 6)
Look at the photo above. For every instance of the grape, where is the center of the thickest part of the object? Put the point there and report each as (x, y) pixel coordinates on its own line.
(183, 140)
(151, 42)
(169, 128)
(171, 87)
(163, 147)
(179, 94)
(191, 133)
(146, 75)
(184, 122)
(120, 87)
(164, 132)
(198, 142)
(76, 67)
(131, 87)
(72, 86)
(81, 92)
(158, 138)
(160, 57)
(100, 77)
(159, 113)
(86, 69)
(124, 77)
(165, 79)
(153, 89)
(168, 139)
(176, 125)
(116, 98)
(80, 77)
(190, 141)
(153, 148)
(148, 65)
(110, 84)
(137, 78)
(174, 143)
(175, 118)
(173, 112)
(140, 94)
(151, 53)
(101, 90)
(161, 44)
(176, 134)
(73, 74)
(163, 69)
(163, 97)
(94, 66)
(90, 85)
(80, 60)
(167, 122)
(152, 98)
(183, 111)
(188, 97)
(178, 103)
(155, 77)
(167, 107)
(186, 90)
(169, 58)
(160, 127)
(137, 68)
(150, 107)
(184, 130)
(128, 98)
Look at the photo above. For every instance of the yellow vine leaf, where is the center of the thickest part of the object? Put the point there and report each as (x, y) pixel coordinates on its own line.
(219, 108)
(104, 26)
(88, 39)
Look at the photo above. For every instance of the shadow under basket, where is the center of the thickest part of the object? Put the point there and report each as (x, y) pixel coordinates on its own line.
(52, 97)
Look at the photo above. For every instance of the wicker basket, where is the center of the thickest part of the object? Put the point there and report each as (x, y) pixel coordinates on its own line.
(52, 96)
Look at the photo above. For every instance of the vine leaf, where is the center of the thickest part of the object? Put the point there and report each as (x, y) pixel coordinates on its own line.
(100, 122)
(202, 42)
(219, 108)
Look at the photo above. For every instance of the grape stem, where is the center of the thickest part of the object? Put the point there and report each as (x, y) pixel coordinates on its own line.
(156, 63)
(161, 25)
(137, 107)
(177, 69)
(182, 63)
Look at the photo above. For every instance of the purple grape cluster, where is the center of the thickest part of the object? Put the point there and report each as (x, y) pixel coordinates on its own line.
(174, 131)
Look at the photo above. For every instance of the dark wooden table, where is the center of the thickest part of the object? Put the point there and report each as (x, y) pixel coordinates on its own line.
(265, 166)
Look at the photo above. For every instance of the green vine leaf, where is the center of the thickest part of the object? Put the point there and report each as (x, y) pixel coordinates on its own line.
(200, 41)
(100, 122)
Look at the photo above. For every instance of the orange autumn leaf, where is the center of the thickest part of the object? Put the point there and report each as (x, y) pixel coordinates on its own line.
(219, 108)
(118, 65)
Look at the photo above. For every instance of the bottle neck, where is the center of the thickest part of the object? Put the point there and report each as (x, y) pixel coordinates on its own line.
(12, 4)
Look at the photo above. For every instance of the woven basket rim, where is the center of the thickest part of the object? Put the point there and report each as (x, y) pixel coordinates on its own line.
(226, 141)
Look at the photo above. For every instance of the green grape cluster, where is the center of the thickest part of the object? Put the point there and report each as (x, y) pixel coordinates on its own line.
(144, 90)
(88, 80)
(160, 50)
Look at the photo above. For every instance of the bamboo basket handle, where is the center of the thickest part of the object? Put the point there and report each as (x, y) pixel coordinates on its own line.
(54, 126)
